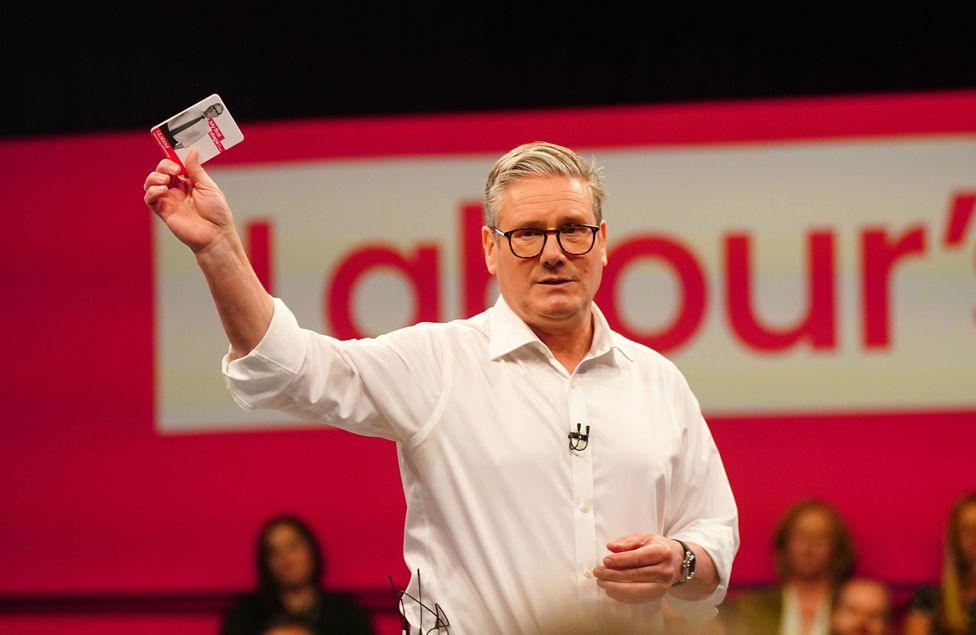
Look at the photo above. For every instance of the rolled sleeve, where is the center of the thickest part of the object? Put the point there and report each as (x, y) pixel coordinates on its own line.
(719, 536)
(270, 366)
(385, 387)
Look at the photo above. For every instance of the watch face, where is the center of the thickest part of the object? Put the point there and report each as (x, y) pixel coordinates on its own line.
(689, 565)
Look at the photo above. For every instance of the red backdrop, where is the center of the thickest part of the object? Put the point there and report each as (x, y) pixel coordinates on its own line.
(95, 500)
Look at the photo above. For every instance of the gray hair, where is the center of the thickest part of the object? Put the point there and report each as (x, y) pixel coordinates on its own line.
(541, 158)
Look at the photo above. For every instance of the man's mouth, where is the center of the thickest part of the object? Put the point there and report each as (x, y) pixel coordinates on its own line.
(555, 281)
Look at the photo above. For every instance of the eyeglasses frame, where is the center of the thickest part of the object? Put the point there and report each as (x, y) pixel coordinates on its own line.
(545, 238)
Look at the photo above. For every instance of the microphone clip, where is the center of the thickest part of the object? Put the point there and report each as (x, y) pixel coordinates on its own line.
(579, 441)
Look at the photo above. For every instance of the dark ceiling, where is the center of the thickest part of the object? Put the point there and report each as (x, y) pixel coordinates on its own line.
(109, 68)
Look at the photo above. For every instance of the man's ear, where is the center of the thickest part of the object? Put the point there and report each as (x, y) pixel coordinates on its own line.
(490, 245)
(603, 242)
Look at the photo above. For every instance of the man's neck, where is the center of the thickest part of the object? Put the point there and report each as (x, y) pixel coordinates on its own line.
(569, 344)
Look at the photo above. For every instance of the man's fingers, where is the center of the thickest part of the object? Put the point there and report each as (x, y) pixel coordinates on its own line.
(636, 574)
(632, 592)
(195, 171)
(156, 178)
(167, 166)
(153, 194)
(625, 543)
(649, 554)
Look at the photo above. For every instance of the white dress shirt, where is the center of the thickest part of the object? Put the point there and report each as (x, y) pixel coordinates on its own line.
(504, 521)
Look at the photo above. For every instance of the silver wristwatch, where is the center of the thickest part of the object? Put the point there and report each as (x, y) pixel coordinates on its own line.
(687, 564)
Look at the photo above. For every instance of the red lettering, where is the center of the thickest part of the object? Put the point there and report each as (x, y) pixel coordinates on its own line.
(819, 324)
(960, 218)
(475, 279)
(258, 233)
(878, 257)
(689, 276)
(420, 270)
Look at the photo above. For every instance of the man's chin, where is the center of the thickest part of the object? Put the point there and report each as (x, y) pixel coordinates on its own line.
(558, 309)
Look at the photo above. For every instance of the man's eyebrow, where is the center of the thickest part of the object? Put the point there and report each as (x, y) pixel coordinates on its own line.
(567, 218)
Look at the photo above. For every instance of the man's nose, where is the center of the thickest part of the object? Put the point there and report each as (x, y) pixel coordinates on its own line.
(552, 253)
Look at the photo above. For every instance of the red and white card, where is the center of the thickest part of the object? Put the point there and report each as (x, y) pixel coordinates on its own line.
(206, 125)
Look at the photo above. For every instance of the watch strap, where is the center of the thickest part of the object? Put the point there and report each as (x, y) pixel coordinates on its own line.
(687, 564)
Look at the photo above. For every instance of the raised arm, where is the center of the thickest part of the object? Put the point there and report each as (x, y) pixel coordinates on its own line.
(196, 211)
(387, 387)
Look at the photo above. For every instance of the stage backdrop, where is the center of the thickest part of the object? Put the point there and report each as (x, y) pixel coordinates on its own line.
(809, 264)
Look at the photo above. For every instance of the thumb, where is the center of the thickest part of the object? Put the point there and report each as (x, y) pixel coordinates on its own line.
(195, 172)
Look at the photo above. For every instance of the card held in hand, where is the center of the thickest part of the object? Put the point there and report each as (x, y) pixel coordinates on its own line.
(206, 126)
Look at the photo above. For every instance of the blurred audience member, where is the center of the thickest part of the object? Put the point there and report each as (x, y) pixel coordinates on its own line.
(862, 607)
(950, 608)
(569, 626)
(290, 568)
(814, 555)
(287, 625)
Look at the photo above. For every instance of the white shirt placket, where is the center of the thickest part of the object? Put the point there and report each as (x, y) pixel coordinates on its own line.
(584, 522)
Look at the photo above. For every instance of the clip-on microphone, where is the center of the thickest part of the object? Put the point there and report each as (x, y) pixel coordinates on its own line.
(579, 441)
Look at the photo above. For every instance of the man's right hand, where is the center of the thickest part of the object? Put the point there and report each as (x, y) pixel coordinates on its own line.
(193, 207)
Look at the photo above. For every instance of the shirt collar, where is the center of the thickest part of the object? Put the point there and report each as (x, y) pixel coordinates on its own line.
(508, 332)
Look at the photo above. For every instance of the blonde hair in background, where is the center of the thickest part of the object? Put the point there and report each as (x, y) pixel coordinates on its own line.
(952, 613)
(537, 159)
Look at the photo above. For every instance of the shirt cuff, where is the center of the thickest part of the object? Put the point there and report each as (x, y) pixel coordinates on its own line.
(271, 364)
(697, 611)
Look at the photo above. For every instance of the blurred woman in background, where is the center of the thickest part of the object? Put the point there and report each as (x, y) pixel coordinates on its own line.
(950, 608)
(814, 556)
(290, 568)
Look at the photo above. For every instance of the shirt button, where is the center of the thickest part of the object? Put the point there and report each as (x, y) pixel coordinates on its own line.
(572, 383)
(585, 507)
(588, 573)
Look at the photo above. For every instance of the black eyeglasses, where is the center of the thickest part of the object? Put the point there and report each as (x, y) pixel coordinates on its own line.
(528, 242)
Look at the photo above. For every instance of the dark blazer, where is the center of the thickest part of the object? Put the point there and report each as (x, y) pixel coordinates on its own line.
(332, 614)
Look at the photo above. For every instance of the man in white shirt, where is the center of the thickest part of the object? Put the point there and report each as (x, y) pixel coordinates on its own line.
(552, 468)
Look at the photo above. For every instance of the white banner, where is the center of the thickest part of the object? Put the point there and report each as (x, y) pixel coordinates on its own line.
(805, 277)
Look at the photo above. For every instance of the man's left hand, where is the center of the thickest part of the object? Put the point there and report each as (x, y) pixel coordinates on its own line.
(641, 568)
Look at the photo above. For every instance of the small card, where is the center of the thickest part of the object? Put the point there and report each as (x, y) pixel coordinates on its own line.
(206, 126)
